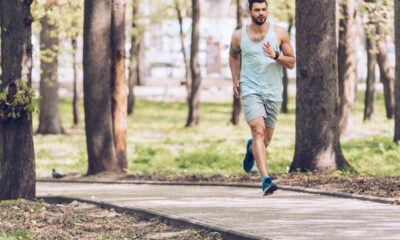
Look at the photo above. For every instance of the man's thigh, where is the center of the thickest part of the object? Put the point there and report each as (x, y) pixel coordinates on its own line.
(253, 108)
(272, 111)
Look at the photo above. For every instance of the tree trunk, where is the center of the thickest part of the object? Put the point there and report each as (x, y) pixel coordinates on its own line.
(386, 71)
(371, 75)
(317, 145)
(49, 117)
(397, 85)
(194, 99)
(97, 87)
(75, 102)
(118, 82)
(237, 106)
(17, 159)
(140, 74)
(133, 58)
(347, 67)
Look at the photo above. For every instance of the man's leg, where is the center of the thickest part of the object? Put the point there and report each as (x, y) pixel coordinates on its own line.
(267, 140)
(258, 130)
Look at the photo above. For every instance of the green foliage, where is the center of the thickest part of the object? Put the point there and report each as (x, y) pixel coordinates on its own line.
(67, 18)
(66, 15)
(17, 100)
(18, 235)
(380, 11)
(283, 10)
(159, 143)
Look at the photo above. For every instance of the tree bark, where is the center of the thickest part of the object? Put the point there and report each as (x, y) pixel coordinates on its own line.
(387, 72)
(17, 159)
(371, 75)
(49, 117)
(237, 105)
(397, 85)
(75, 101)
(97, 87)
(347, 67)
(317, 146)
(118, 82)
(194, 99)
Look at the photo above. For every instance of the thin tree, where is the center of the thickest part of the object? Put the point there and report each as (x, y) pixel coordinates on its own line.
(187, 82)
(49, 117)
(317, 146)
(194, 98)
(75, 98)
(97, 87)
(387, 72)
(118, 82)
(285, 79)
(284, 11)
(17, 159)
(397, 86)
(133, 58)
(237, 107)
(347, 65)
(370, 29)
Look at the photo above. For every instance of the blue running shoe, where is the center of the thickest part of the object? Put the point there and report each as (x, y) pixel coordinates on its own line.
(268, 186)
(248, 160)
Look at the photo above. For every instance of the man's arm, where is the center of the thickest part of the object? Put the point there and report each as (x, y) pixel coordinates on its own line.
(288, 59)
(234, 61)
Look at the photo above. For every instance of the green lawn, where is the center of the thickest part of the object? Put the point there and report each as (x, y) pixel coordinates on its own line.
(158, 142)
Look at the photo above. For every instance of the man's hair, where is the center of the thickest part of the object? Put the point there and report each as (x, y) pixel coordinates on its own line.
(251, 2)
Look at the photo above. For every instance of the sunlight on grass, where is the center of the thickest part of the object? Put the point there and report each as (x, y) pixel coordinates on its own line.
(159, 143)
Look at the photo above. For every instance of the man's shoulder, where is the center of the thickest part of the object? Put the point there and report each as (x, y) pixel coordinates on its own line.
(236, 37)
(237, 34)
(280, 31)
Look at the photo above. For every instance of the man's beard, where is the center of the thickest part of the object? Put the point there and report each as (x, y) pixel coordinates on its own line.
(255, 19)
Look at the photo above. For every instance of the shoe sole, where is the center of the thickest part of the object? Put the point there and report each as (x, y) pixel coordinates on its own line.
(270, 190)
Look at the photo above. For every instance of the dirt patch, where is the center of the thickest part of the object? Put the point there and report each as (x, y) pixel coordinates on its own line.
(352, 183)
(22, 219)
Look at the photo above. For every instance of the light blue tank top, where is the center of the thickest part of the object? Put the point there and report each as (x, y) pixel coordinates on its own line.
(259, 73)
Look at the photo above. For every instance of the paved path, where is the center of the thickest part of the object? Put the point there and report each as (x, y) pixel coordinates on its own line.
(284, 215)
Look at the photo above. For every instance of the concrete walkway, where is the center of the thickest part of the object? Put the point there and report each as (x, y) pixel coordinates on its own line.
(284, 215)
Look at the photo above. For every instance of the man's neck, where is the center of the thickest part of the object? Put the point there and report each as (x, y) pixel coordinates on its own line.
(259, 28)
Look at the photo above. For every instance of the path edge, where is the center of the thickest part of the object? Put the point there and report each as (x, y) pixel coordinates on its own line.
(391, 201)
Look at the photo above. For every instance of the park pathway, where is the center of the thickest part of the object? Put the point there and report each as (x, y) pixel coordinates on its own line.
(284, 215)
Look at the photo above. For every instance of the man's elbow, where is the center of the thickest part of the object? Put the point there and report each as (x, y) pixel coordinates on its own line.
(292, 64)
(233, 57)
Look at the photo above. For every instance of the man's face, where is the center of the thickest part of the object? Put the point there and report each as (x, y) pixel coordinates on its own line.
(259, 13)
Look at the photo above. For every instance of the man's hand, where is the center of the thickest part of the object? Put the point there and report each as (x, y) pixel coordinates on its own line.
(269, 51)
(236, 89)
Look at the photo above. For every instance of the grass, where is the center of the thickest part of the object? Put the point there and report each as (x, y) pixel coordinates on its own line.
(159, 143)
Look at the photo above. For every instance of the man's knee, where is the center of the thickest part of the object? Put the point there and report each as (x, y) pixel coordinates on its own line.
(258, 131)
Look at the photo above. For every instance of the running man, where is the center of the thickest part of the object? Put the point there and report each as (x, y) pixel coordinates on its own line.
(258, 54)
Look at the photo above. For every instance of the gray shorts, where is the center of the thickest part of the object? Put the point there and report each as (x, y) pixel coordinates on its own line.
(255, 106)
